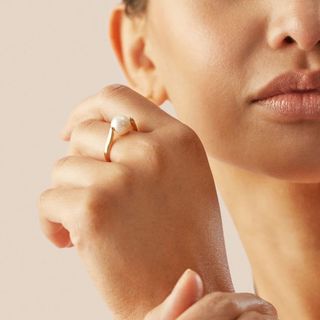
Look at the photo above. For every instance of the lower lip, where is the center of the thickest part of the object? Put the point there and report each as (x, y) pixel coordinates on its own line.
(292, 106)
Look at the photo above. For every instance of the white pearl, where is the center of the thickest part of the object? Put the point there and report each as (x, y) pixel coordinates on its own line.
(121, 124)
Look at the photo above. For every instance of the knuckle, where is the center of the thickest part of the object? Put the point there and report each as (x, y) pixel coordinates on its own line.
(152, 153)
(150, 146)
(188, 138)
(59, 165)
(113, 90)
(79, 129)
(43, 202)
(92, 198)
(86, 124)
(223, 301)
(99, 200)
(182, 139)
(264, 306)
(268, 308)
(120, 185)
(41, 199)
(61, 162)
(45, 193)
(92, 207)
(121, 182)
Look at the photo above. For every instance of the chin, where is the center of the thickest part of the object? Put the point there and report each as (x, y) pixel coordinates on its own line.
(294, 172)
(292, 166)
(290, 153)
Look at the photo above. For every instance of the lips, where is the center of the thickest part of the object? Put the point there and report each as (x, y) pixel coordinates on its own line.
(290, 82)
(290, 97)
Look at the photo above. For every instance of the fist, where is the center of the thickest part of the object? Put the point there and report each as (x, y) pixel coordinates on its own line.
(141, 219)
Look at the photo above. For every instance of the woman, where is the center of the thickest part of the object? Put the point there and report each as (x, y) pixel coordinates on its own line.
(214, 61)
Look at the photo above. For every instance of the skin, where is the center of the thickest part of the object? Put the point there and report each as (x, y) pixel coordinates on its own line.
(209, 58)
(203, 56)
(187, 302)
(134, 242)
(134, 221)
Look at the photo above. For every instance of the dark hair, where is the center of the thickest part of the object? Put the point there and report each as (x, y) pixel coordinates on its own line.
(134, 7)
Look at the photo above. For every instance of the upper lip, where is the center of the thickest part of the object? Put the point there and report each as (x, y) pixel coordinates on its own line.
(292, 81)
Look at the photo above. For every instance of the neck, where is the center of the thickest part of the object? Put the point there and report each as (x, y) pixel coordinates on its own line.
(278, 223)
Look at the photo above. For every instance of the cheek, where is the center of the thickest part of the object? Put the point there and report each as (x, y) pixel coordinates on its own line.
(206, 64)
(202, 67)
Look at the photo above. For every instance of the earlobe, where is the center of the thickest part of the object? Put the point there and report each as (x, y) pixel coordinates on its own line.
(159, 95)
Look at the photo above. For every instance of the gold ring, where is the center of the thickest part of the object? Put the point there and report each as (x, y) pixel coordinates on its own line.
(120, 124)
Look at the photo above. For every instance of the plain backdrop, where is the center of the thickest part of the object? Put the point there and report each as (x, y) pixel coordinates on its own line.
(53, 54)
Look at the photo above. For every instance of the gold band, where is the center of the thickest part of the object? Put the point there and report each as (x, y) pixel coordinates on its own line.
(110, 138)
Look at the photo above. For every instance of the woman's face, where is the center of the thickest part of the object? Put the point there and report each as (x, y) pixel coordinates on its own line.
(213, 55)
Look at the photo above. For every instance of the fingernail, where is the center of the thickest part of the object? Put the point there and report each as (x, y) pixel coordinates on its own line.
(180, 282)
(183, 295)
(199, 286)
(170, 301)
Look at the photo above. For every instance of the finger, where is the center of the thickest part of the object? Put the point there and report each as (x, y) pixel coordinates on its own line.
(79, 171)
(253, 315)
(56, 233)
(226, 306)
(89, 138)
(114, 100)
(58, 208)
(186, 292)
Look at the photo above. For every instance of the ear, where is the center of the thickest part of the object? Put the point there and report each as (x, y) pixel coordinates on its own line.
(128, 38)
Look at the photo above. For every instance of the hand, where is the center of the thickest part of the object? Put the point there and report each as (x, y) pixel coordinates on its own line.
(141, 219)
(188, 302)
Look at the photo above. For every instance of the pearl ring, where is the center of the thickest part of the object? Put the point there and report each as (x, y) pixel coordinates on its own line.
(120, 124)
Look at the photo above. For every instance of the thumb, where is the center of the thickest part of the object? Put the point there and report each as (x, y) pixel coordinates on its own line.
(187, 291)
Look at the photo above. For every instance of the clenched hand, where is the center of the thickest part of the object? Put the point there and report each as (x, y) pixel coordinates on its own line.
(140, 220)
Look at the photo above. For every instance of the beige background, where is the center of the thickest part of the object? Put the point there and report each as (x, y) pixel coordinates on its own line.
(53, 54)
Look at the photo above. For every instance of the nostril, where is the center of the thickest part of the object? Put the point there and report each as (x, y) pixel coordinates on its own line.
(288, 40)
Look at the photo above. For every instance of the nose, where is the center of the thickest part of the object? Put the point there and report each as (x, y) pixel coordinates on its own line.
(295, 21)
